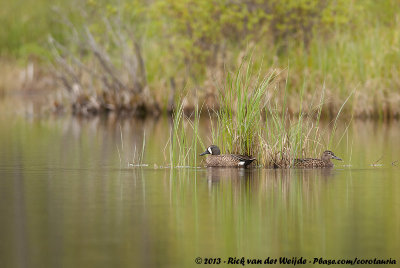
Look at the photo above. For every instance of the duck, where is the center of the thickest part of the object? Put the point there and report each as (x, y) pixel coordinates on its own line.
(323, 162)
(214, 158)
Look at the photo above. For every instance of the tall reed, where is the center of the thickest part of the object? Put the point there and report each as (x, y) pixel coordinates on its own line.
(184, 138)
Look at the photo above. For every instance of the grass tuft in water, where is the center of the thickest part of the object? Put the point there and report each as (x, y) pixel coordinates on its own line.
(252, 122)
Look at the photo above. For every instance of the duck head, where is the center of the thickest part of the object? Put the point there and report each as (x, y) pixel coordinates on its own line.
(327, 155)
(213, 150)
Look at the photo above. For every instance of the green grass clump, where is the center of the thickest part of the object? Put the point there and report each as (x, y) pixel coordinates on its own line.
(242, 99)
(251, 122)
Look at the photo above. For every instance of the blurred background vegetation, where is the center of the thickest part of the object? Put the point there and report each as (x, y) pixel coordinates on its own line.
(337, 48)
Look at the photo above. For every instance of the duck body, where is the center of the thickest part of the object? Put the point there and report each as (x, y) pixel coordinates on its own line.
(228, 160)
(312, 163)
(323, 162)
(214, 158)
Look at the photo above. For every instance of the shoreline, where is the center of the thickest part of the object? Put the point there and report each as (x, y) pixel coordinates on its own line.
(35, 79)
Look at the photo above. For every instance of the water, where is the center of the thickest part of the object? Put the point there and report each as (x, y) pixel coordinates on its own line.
(69, 199)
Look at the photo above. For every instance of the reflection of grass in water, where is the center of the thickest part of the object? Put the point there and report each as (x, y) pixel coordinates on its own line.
(280, 205)
(236, 208)
(275, 139)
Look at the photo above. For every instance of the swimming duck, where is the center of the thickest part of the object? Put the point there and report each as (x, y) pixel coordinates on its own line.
(325, 161)
(216, 159)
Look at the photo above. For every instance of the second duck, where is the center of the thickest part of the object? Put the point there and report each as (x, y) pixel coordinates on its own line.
(324, 162)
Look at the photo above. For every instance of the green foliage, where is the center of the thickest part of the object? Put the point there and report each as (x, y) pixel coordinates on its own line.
(342, 44)
(201, 30)
(299, 20)
(26, 25)
(195, 31)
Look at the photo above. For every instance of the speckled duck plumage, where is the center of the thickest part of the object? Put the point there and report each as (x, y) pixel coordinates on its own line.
(214, 158)
(323, 162)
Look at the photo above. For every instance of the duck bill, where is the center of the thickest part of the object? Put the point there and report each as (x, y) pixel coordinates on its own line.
(337, 158)
(206, 152)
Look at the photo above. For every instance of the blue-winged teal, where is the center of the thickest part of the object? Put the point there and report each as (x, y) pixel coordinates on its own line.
(325, 161)
(216, 159)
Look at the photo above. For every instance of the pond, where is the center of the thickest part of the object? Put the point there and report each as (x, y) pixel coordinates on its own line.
(70, 199)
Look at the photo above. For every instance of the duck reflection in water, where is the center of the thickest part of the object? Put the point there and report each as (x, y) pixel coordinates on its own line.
(216, 175)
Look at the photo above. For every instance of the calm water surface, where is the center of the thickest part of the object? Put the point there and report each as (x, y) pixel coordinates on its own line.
(69, 199)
